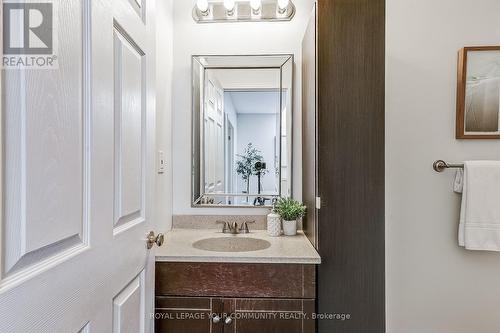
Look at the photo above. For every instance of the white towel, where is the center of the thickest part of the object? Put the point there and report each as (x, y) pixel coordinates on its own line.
(458, 185)
(480, 214)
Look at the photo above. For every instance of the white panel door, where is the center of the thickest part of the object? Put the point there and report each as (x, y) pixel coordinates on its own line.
(77, 172)
(214, 137)
(219, 137)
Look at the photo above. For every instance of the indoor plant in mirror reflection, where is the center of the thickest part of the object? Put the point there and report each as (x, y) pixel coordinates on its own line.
(248, 163)
(290, 211)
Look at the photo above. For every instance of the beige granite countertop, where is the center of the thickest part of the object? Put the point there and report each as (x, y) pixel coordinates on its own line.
(292, 250)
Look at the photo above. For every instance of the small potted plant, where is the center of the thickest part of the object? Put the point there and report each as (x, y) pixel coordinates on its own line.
(290, 211)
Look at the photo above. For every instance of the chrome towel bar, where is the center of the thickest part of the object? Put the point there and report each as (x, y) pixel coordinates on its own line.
(440, 166)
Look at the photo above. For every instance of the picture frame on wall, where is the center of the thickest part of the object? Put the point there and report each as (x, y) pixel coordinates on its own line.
(478, 93)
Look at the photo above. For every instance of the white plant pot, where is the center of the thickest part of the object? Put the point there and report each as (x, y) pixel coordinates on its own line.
(274, 225)
(290, 228)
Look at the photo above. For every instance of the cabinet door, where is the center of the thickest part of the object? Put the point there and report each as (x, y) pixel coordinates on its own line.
(188, 314)
(269, 315)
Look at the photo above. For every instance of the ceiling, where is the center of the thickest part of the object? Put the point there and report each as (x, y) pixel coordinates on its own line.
(255, 102)
(246, 78)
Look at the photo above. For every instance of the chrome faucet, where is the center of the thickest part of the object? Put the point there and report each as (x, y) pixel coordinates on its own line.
(232, 227)
(229, 228)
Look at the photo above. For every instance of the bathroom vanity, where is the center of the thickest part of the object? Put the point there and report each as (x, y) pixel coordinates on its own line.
(232, 289)
(208, 279)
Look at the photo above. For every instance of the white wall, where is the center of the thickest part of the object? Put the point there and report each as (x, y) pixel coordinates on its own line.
(164, 67)
(433, 286)
(226, 38)
(260, 130)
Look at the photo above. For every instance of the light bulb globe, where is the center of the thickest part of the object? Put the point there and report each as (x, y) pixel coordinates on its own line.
(229, 4)
(202, 5)
(283, 4)
(255, 4)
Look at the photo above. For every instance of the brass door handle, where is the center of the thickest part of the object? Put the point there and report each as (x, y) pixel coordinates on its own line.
(152, 240)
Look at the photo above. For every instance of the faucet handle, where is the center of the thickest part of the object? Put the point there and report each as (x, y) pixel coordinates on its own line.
(244, 227)
(225, 228)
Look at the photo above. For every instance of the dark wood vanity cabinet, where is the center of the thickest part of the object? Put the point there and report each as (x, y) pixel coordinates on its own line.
(186, 314)
(236, 298)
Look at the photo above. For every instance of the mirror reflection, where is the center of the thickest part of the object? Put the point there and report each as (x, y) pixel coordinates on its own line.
(241, 130)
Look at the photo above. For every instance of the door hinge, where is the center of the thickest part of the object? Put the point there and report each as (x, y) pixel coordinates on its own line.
(318, 202)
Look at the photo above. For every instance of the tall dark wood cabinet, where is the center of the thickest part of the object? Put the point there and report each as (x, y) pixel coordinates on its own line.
(343, 163)
(309, 128)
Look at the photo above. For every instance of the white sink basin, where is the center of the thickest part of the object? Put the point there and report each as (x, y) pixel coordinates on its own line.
(231, 244)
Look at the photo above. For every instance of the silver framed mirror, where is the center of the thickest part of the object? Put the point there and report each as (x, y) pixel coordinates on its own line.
(242, 110)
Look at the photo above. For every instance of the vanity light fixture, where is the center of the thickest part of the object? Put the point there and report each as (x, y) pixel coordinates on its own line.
(223, 11)
(230, 5)
(283, 6)
(256, 6)
(202, 6)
